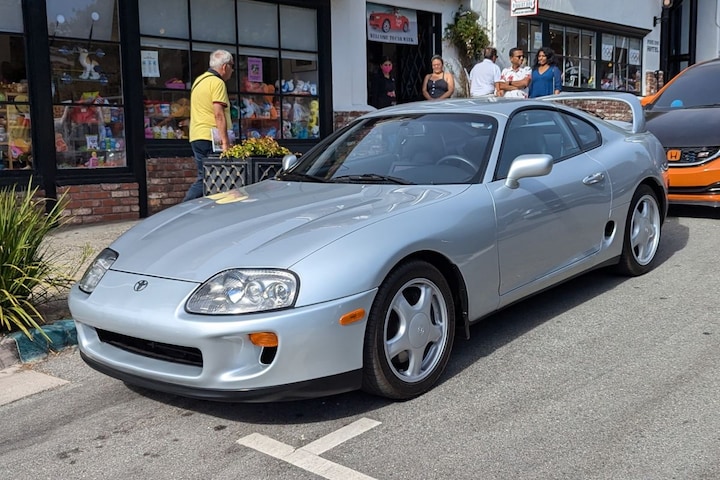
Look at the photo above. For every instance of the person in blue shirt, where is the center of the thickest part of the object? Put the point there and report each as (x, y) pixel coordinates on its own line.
(546, 78)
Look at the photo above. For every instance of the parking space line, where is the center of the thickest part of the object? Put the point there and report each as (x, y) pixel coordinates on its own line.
(307, 457)
(337, 437)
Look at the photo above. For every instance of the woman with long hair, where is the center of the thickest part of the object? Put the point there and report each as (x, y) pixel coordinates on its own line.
(383, 85)
(546, 78)
(438, 84)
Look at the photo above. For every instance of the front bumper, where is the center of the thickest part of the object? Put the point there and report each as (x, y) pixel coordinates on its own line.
(146, 338)
(696, 184)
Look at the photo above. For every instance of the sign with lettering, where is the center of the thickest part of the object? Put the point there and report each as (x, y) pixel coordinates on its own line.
(390, 24)
(521, 8)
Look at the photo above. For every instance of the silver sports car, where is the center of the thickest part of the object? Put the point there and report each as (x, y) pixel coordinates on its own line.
(360, 262)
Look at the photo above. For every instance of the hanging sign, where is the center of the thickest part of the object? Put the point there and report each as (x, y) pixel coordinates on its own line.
(390, 24)
(150, 65)
(521, 8)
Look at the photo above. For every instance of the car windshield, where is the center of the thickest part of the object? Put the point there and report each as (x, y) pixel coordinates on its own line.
(437, 148)
(696, 87)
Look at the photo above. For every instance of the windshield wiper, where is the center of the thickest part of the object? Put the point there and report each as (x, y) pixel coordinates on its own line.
(371, 177)
(300, 176)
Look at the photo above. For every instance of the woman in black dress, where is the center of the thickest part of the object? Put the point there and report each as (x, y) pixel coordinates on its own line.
(439, 84)
(383, 86)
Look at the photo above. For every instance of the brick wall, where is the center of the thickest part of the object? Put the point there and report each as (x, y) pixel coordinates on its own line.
(105, 202)
(340, 119)
(607, 109)
(168, 181)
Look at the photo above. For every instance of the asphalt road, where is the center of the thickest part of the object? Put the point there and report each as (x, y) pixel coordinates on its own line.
(600, 378)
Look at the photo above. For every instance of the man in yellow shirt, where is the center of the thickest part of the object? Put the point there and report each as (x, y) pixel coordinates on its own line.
(209, 109)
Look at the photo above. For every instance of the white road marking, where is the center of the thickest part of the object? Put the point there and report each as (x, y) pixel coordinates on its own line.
(307, 457)
(337, 437)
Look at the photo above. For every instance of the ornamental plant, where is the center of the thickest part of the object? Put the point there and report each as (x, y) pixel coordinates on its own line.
(29, 272)
(256, 147)
(467, 35)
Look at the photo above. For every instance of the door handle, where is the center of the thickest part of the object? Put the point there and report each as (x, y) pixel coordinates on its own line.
(594, 178)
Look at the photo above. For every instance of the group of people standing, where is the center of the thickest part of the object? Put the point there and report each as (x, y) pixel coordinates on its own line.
(518, 80)
(486, 79)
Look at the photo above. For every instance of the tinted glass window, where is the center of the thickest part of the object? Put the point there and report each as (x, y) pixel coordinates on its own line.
(419, 149)
(694, 87)
(535, 132)
(588, 134)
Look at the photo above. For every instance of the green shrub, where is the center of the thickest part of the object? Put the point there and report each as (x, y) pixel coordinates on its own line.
(28, 272)
(467, 36)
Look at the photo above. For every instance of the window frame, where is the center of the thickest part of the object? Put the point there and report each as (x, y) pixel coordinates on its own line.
(547, 22)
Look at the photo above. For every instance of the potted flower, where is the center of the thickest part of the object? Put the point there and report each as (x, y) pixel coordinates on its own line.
(256, 147)
(250, 161)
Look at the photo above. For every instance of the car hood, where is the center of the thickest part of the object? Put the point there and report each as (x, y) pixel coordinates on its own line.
(269, 224)
(685, 127)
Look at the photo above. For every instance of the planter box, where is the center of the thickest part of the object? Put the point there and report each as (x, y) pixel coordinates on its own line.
(224, 175)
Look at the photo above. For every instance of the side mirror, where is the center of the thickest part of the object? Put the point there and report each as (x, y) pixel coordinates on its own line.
(289, 161)
(530, 165)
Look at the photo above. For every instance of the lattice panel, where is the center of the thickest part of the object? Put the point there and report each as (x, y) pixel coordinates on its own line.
(264, 169)
(224, 176)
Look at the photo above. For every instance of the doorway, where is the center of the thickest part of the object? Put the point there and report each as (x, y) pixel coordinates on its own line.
(410, 62)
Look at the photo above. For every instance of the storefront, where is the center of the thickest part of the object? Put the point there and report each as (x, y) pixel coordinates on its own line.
(94, 94)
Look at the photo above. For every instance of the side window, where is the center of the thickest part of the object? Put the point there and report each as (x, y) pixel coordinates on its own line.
(587, 134)
(535, 132)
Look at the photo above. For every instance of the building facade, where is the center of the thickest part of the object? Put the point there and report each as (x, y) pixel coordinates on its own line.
(94, 94)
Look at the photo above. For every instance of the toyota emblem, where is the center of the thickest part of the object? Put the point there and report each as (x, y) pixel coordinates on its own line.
(140, 286)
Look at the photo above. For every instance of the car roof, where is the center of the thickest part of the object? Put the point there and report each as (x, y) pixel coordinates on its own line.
(491, 105)
(506, 106)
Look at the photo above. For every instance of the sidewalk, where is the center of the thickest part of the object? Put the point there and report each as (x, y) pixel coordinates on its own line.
(72, 242)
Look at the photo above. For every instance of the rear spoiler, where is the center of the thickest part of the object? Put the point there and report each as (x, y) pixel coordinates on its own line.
(633, 101)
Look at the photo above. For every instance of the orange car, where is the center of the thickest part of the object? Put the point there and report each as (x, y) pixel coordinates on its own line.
(685, 116)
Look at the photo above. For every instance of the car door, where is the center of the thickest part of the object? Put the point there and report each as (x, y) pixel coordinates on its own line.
(553, 221)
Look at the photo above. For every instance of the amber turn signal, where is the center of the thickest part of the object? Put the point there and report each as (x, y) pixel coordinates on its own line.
(352, 317)
(264, 339)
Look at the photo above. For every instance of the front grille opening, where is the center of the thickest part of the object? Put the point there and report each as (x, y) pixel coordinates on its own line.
(268, 355)
(156, 350)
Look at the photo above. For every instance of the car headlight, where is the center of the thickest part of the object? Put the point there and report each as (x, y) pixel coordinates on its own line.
(97, 269)
(244, 291)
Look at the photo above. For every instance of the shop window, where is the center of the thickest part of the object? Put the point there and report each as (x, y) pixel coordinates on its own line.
(259, 102)
(620, 67)
(298, 28)
(15, 133)
(87, 85)
(614, 64)
(166, 80)
(168, 18)
(272, 91)
(213, 20)
(576, 56)
(11, 16)
(258, 24)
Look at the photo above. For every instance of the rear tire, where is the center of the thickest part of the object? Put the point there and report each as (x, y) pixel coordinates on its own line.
(642, 233)
(409, 333)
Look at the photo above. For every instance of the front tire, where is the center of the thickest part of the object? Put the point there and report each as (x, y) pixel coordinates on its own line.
(386, 26)
(409, 333)
(642, 233)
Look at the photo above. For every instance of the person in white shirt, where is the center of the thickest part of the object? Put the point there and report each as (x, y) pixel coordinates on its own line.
(485, 75)
(515, 79)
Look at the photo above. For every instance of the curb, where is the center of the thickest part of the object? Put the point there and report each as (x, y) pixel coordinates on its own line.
(18, 348)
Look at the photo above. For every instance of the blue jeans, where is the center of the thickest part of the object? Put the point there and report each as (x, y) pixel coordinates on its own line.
(201, 149)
